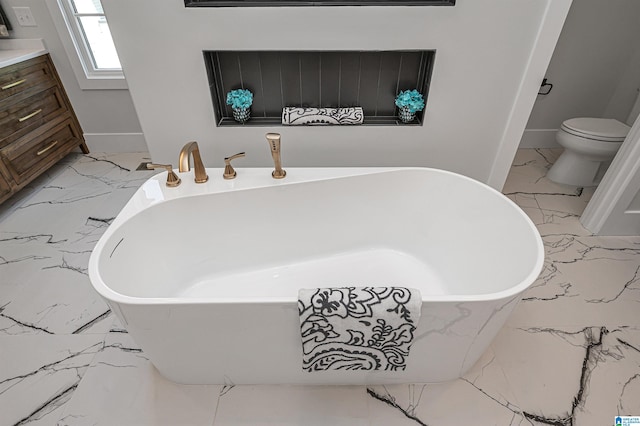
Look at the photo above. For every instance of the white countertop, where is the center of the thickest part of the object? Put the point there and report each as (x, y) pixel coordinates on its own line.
(13, 51)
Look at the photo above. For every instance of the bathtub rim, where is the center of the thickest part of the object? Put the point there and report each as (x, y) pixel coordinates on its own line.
(261, 178)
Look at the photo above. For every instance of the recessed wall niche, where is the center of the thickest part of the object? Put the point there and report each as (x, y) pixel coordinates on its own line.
(327, 79)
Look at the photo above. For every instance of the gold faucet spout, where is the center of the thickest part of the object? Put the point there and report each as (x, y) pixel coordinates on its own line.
(191, 150)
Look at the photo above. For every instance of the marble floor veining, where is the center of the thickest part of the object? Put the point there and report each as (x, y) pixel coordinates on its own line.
(569, 354)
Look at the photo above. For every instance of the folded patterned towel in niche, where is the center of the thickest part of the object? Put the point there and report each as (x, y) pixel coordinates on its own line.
(295, 116)
(357, 328)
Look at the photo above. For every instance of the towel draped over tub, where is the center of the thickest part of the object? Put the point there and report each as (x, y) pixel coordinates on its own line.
(357, 328)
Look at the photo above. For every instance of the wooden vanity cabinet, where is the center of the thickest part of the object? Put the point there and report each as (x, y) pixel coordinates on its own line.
(5, 188)
(37, 124)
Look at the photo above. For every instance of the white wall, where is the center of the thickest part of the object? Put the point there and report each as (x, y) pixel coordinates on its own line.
(595, 68)
(491, 57)
(614, 208)
(107, 117)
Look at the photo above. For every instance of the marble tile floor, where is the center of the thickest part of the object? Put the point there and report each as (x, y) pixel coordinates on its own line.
(569, 355)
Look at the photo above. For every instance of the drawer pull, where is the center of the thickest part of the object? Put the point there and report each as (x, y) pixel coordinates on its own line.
(33, 114)
(14, 84)
(42, 151)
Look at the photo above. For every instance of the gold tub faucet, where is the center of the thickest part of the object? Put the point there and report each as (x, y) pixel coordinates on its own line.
(274, 145)
(191, 149)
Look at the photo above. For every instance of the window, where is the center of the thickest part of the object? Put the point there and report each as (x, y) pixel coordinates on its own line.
(85, 33)
(92, 28)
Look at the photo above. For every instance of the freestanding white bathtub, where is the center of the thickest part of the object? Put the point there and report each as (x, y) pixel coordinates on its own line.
(205, 277)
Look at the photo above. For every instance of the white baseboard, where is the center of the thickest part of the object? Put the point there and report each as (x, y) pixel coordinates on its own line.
(116, 142)
(539, 138)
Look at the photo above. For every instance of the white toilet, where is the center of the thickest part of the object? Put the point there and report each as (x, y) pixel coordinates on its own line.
(589, 146)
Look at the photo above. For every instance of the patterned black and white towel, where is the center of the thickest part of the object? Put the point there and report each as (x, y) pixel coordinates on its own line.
(295, 116)
(357, 328)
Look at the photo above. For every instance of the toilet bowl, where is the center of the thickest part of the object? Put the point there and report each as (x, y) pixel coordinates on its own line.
(589, 146)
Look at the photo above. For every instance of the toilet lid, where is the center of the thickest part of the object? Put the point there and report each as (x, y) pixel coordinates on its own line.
(604, 129)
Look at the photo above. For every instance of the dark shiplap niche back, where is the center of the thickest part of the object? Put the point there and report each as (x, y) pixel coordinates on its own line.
(330, 79)
(255, 3)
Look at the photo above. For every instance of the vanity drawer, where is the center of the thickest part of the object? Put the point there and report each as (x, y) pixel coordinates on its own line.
(24, 116)
(20, 77)
(37, 150)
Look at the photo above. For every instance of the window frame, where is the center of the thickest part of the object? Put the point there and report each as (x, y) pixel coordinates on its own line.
(78, 51)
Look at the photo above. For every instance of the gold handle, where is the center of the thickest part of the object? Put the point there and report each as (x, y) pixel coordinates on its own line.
(233, 157)
(14, 84)
(42, 151)
(172, 178)
(26, 117)
(229, 172)
(167, 167)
